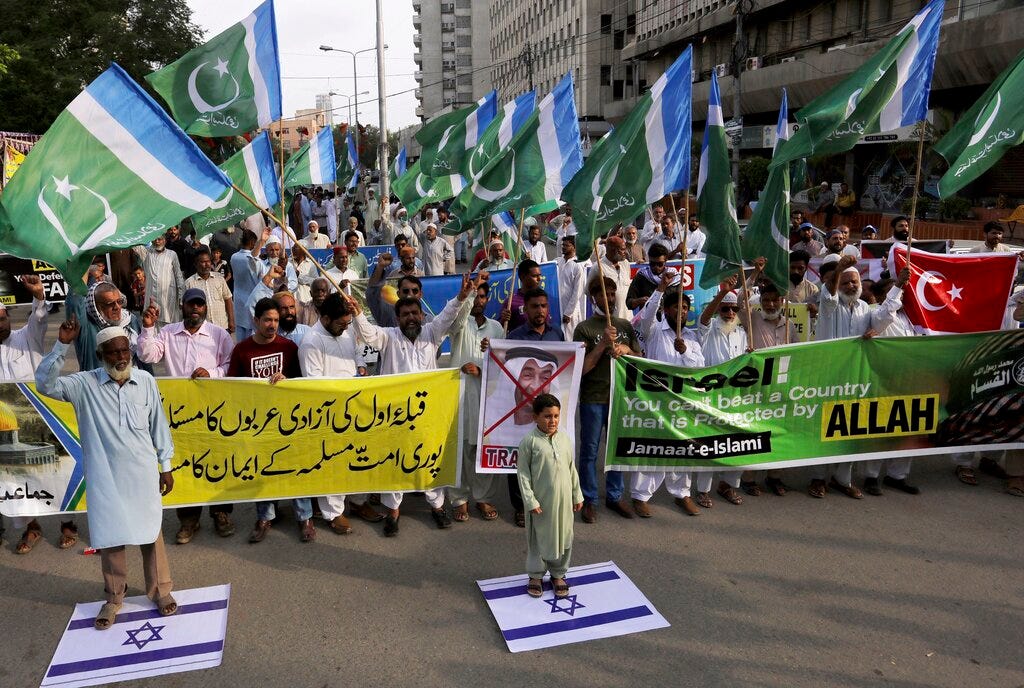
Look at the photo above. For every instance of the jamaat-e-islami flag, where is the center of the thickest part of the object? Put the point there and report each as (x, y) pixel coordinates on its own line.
(313, 164)
(448, 139)
(229, 85)
(112, 172)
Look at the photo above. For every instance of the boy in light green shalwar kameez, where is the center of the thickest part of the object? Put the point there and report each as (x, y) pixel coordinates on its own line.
(551, 493)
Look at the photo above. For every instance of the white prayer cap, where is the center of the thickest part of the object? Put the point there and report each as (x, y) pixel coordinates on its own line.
(312, 223)
(730, 297)
(272, 240)
(853, 269)
(429, 225)
(530, 222)
(108, 333)
(830, 258)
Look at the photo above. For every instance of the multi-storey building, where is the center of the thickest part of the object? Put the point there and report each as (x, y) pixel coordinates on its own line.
(452, 54)
(325, 104)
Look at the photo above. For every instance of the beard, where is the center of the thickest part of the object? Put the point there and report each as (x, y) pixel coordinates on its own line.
(193, 321)
(850, 299)
(795, 280)
(728, 326)
(412, 330)
(771, 315)
(289, 323)
(118, 375)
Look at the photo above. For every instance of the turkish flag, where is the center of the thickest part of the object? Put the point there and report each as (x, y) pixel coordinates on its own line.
(957, 292)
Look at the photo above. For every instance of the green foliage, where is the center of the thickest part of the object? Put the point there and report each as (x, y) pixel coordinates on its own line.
(956, 208)
(7, 56)
(62, 45)
(754, 173)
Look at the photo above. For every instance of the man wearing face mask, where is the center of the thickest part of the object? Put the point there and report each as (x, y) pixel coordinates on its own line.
(164, 281)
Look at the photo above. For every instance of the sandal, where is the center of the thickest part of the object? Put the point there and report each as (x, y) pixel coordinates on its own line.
(965, 474)
(167, 606)
(107, 616)
(560, 586)
(817, 489)
(461, 513)
(704, 499)
(68, 535)
(488, 512)
(535, 587)
(29, 538)
(776, 486)
(726, 492)
(1015, 487)
(751, 488)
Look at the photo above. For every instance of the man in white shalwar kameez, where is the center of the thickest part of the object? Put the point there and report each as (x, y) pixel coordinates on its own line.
(572, 285)
(165, 283)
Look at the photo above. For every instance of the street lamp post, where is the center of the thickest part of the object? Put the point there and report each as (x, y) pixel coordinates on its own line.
(355, 78)
(349, 101)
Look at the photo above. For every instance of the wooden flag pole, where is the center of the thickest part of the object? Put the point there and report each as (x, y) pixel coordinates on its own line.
(280, 155)
(746, 301)
(287, 230)
(515, 268)
(917, 185)
(682, 258)
(604, 291)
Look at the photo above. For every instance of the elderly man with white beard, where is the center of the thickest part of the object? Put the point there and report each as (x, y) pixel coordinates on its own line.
(841, 313)
(662, 344)
(890, 320)
(722, 339)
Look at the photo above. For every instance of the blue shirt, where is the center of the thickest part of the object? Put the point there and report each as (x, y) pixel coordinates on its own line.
(528, 334)
(125, 438)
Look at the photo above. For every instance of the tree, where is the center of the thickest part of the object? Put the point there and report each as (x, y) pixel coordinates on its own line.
(62, 45)
(7, 56)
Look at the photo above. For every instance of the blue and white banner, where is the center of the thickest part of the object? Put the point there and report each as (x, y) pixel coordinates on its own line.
(602, 603)
(142, 643)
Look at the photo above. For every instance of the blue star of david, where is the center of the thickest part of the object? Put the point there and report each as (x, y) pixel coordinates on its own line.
(570, 610)
(133, 636)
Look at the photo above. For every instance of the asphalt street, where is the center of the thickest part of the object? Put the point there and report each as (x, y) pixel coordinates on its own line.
(891, 590)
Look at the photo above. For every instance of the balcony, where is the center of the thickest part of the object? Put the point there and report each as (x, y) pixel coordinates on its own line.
(417, 39)
(417, 21)
(447, 27)
(417, 75)
(419, 111)
(418, 93)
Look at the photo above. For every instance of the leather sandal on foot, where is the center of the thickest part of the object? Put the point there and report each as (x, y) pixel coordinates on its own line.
(560, 586)
(107, 616)
(461, 513)
(751, 488)
(68, 535)
(487, 511)
(29, 538)
(167, 606)
(704, 499)
(965, 474)
(726, 492)
(535, 588)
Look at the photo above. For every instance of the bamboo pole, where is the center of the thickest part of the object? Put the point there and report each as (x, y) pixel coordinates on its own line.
(515, 268)
(604, 291)
(280, 156)
(917, 185)
(682, 258)
(746, 302)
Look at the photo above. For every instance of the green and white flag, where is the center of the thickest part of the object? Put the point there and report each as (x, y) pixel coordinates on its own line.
(414, 189)
(447, 140)
(537, 164)
(252, 170)
(994, 125)
(112, 172)
(767, 232)
(313, 164)
(230, 85)
(716, 198)
(888, 92)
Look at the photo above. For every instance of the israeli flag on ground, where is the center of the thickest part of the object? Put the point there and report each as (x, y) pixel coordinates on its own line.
(602, 603)
(667, 128)
(142, 643)
(558, 133)
(914, 67)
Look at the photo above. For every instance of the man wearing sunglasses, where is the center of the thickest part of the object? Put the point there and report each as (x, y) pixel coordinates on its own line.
(722, 339)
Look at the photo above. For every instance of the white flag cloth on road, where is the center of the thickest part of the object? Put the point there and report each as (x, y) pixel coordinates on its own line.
(141, 642)
(602, 603)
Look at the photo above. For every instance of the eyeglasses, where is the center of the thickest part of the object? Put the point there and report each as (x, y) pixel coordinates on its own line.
(732, 309)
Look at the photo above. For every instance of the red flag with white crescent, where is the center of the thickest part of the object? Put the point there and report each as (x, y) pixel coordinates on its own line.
(955, 293)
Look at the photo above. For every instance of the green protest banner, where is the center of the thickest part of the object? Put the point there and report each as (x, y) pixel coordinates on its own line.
(822, 402)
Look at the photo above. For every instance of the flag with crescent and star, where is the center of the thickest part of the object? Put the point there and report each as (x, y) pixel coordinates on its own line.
(112, 172)
(415, 189)
(538, 162)
(229, 85)
(767, 233)
(252, 170)
(313, 164)
(955, 293)
(889, 91)
(448, 139)
(716, 198)
(639, 162)
(983, 134)
(398, 167)
(348, 166)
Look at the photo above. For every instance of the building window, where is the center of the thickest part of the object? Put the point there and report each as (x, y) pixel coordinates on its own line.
(463, 22)
(619, 40)
(606, 23)
(617, 90)
(606, 75)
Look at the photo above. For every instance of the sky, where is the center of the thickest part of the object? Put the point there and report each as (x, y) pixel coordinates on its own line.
(306, 70)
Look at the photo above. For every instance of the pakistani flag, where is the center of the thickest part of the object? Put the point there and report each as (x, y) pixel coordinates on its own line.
(767, 233)
(230, 85)
(984, 133)
(313, 164)
(539, 161)
(506, 224)
(416, 189)
(348, 167)
(252, 170)
(448, 139)
(716, 198)
(639, 162)
(888, 92)
(112, 172)
(398, 167)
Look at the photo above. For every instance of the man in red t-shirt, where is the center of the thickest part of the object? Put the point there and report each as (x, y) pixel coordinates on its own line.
(268, 356)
